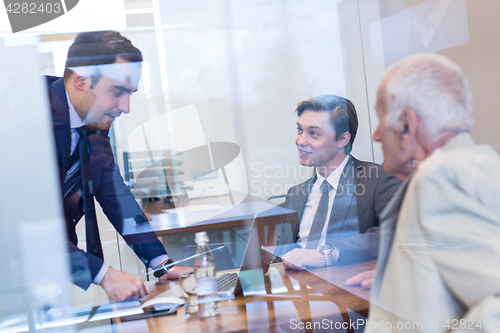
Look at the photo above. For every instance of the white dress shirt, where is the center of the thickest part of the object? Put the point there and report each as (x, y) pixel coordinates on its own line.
(313, 203)
(75, 122)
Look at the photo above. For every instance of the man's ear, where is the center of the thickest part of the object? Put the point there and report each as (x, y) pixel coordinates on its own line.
(344, 140)
(407, 126)
(78, 81)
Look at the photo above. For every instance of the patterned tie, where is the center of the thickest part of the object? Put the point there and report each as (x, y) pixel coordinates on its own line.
(319, 217)
(92, 231)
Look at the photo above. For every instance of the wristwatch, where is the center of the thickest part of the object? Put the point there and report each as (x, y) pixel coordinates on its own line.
(160, 271)
(326, 250)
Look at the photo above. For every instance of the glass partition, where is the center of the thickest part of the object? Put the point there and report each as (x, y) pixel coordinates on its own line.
(210, 139)
(34, 262)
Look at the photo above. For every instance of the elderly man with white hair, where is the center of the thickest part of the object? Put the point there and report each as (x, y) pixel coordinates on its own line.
(440, 269)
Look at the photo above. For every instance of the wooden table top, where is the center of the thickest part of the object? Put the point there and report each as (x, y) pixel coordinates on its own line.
(330, 281)
(288, 302)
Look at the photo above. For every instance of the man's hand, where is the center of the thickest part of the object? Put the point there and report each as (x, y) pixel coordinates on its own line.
(298, 259)
(173, 273)
(364, 280)
(121, 286)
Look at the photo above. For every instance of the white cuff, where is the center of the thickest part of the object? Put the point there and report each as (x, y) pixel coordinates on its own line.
(337, 253)
(156, 262)
(98, 278)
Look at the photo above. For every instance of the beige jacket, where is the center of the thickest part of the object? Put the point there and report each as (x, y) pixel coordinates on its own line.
(440, 269)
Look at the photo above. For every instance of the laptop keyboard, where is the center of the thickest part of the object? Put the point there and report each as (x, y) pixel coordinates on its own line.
(226, 282)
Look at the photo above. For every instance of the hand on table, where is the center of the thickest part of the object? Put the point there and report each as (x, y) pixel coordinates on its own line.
(364, 280)
(298, 259)
(121, 286)
(175, 271)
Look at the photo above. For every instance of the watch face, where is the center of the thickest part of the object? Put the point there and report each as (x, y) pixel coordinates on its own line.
(325, 247)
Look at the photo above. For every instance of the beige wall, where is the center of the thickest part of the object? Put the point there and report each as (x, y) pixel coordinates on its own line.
(480, 61)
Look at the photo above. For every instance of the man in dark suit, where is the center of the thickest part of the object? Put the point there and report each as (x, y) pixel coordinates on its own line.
(102, 70)
(339, 206)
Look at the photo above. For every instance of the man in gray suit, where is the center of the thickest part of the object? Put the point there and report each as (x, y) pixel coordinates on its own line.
(341, 203)
(440, 269)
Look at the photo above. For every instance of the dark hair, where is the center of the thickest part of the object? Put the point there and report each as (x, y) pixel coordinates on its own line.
(343, 116)
(99, 48)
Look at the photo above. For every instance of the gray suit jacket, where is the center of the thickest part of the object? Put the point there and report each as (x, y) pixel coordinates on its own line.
(364, 190)
(442, 263)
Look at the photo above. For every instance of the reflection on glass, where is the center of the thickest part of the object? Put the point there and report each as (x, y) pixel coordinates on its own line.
(213, 120)
(430, 26)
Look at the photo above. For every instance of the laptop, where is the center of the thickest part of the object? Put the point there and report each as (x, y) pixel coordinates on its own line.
(252, 270)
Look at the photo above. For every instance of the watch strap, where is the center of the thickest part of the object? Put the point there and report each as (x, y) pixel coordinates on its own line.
(326, 250)
(163, 269)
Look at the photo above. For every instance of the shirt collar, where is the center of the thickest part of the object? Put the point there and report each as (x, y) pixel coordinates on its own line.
(74, 119)
(334, 177)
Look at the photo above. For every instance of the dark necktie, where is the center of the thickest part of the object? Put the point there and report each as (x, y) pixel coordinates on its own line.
(319, 217)
(92, 232)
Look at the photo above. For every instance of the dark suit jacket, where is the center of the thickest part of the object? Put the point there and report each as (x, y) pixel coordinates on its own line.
(109, 189)
(364, 190)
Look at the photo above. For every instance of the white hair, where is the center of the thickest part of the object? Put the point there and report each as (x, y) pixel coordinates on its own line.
(434, 87)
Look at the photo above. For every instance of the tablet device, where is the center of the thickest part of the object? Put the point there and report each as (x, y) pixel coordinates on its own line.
(154, 310)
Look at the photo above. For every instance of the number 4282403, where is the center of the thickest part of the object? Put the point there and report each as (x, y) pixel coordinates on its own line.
(33, 8)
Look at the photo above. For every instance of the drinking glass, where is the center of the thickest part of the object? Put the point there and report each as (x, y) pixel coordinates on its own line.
(187, 282)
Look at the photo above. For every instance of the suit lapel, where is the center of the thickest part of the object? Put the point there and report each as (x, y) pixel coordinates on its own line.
(388, 218)
(343, 198)
(297, 202)
(62, 129)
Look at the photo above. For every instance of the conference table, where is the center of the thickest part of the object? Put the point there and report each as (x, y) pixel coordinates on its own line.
(291, 301)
